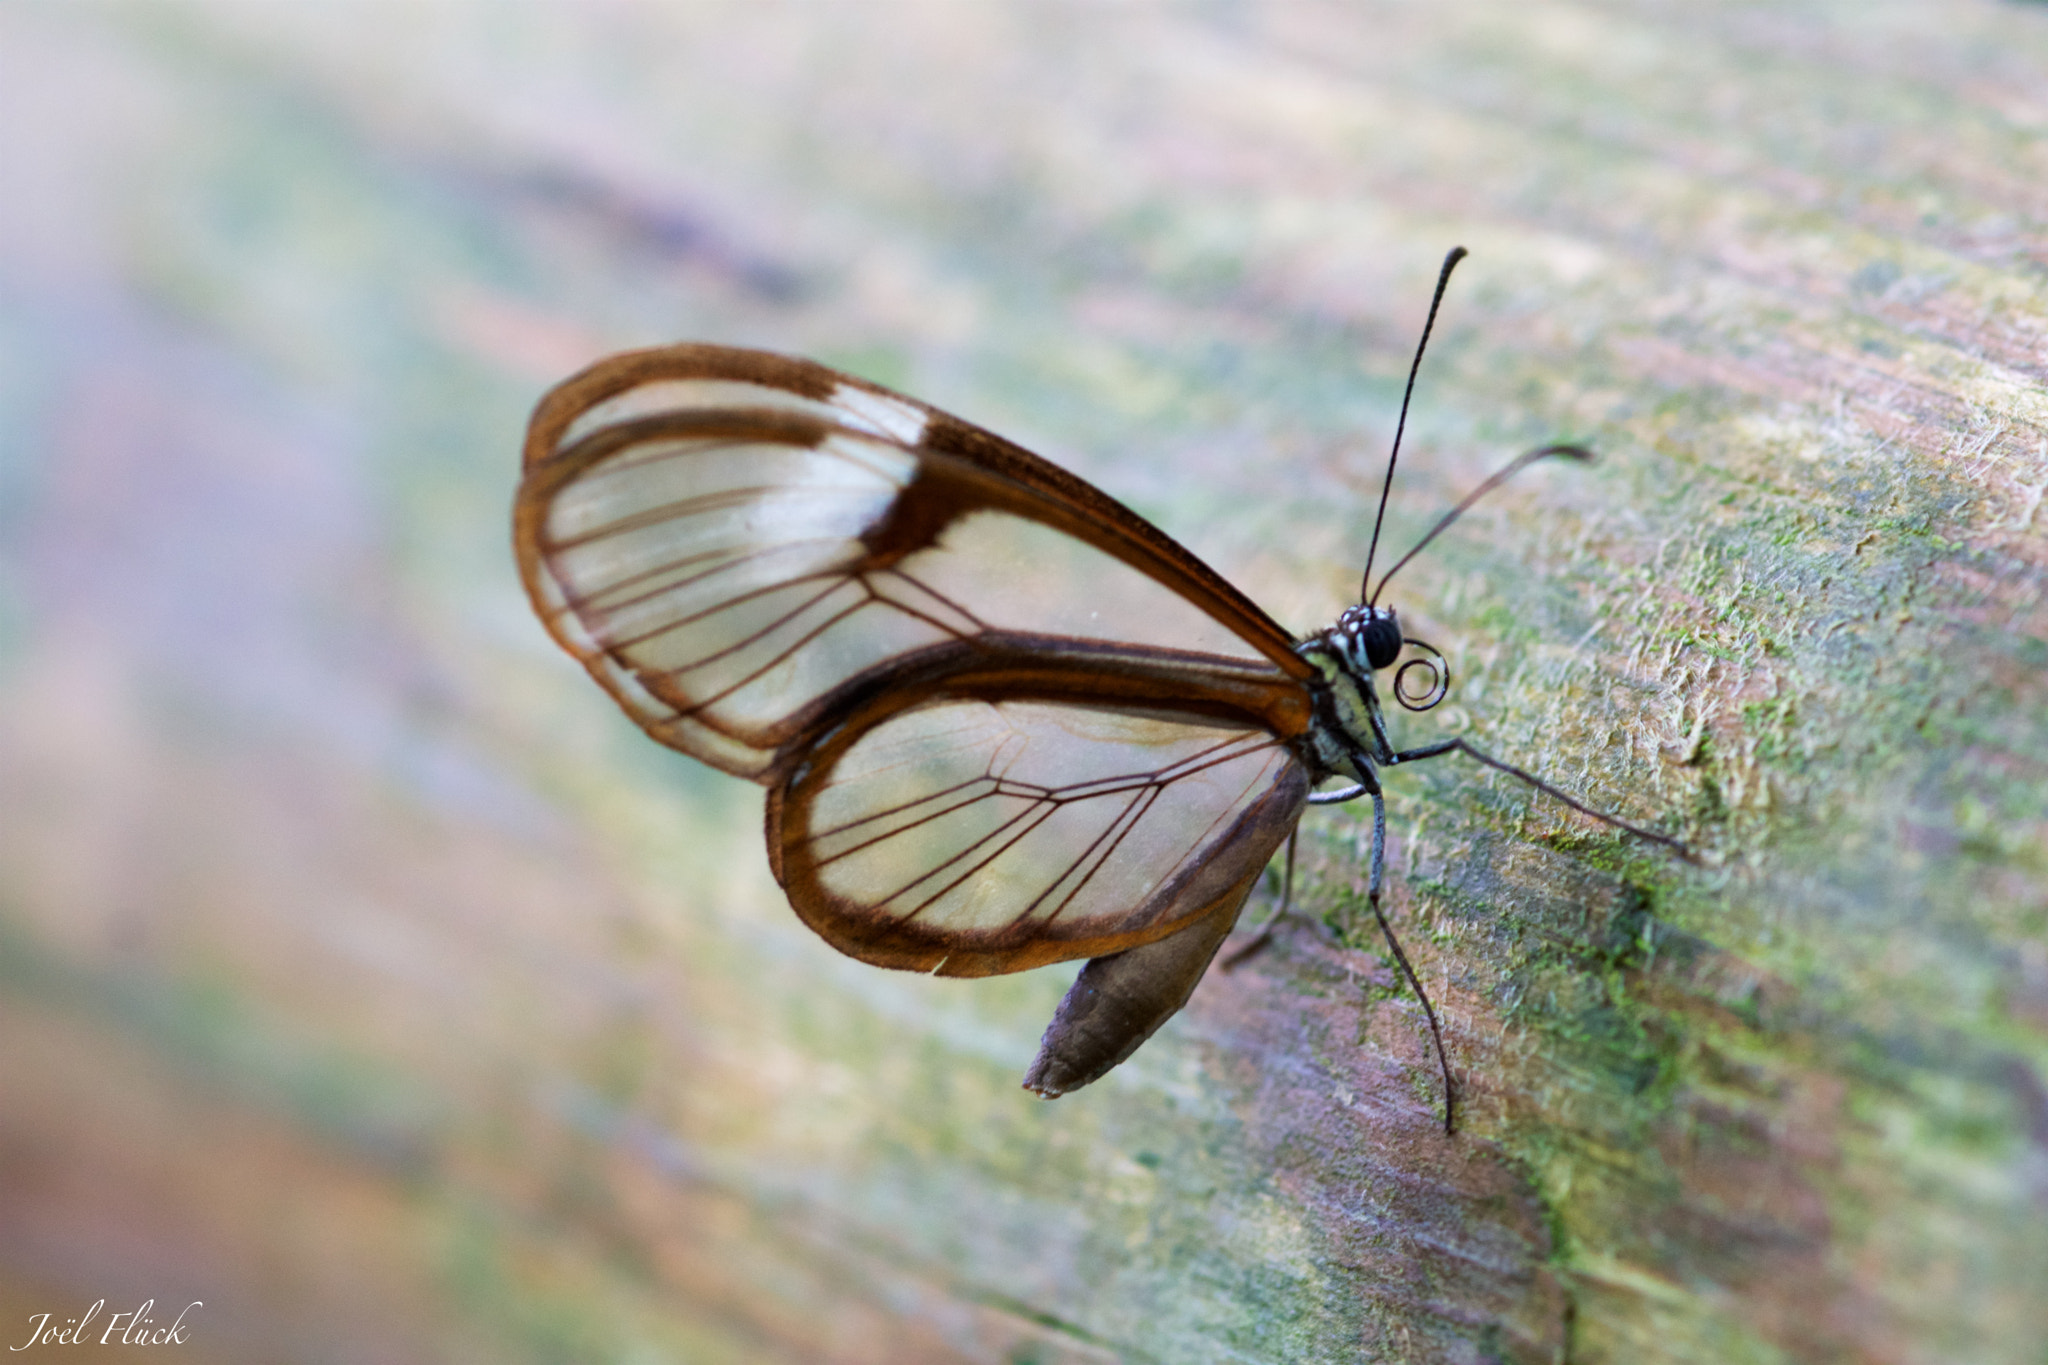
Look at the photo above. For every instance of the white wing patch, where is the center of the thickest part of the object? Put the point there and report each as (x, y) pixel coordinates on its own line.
(659, 397)
(880, 414)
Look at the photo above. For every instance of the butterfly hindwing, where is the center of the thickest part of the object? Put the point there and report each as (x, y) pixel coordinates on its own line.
(972, 827)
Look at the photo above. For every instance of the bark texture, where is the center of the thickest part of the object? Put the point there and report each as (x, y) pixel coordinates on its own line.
(362, 975)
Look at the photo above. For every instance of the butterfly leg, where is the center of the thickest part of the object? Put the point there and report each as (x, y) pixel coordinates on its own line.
(1378, 876)
(1265, 933)
(1460, 746)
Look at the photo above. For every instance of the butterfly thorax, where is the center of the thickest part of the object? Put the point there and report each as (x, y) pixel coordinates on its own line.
(1348, 735)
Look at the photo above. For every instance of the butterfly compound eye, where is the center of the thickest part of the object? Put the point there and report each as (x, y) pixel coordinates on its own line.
(1382, 639)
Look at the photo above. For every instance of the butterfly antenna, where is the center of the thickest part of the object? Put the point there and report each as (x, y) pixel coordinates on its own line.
(1443, 278)
(1514, 466)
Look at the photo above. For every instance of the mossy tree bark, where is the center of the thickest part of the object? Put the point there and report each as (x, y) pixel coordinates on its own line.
(367, 979)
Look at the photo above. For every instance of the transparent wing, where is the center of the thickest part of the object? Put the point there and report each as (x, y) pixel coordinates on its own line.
(730, 540)
(971, 836)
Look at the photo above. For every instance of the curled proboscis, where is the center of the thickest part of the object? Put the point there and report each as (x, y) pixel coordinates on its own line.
(1419, 693)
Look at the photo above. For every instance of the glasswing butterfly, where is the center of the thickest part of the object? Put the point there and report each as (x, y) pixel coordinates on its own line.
(1003, 720)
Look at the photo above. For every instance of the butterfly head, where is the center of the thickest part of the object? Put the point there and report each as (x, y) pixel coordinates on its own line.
(1368, 637)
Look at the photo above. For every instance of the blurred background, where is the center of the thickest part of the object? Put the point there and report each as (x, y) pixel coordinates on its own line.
(366, 978)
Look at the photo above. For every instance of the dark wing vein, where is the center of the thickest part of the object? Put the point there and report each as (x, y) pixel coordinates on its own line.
(834, 581)
(1128, 819)
(1151, 794)
(732, 560)
(794, 646)
(1094, 787)
(684, 509)
(1038, 814)
(891, 833)
(1145, 790)
(936, 596)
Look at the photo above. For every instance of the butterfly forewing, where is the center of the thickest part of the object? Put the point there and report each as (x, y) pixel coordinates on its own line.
(972, 836)
(726, 539)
